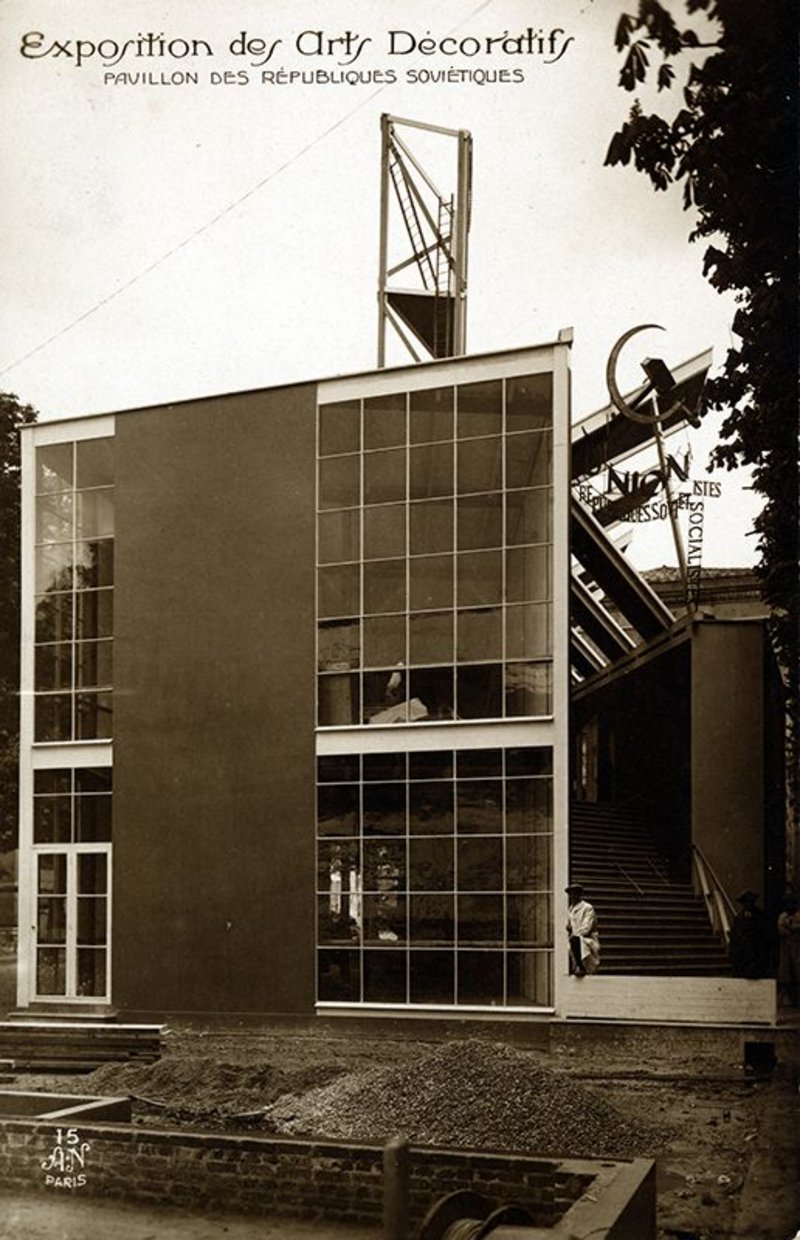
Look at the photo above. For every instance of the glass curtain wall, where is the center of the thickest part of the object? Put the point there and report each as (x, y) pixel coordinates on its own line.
(434, 605)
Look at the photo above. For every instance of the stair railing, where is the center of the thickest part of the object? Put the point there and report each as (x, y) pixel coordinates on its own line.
(719, 905)
(632, 881)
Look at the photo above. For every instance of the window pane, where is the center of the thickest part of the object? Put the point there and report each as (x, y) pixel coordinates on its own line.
(54, 517)
(480, 977)
(54, 667)
(94, 564)
(95, 613)
(338, 700)
(51, 919)
(52, 874)
(479, 692)
(54, 467)
(431, 693)
(529, 761)
(98, 779)
(338, 536)
(55, 782)
(91, 970)
(339, 427)
(92, 925)
(480, 408)
(384, 976)
(339, 976)
(471, 763)
(54, 567)
(95, 515)
(529, 920)
(480, 577)
(94, 664)
(384, 814)
(432, 977)
(384, 476)
(528, 459)
(53, 715)
(431, 764)
(528, 631)
(340, 482)
(384, 641)
(384, 586)
(386, 697)
(380, 767)
(431, 523)
(528, 689)
(335, 860)
(385, 420)
(529, 401)
(529, 978)
(431, 471)
(338, 591)
(480, 521)
(430, 808)
(480, 807)
(337, 809)
(334, 923)
(431, 415)
(54, 618)
(92, 874)
(528, 516)
(480, 635)
(432, 919)
(338, 645)
(337, 768)
(529, 863)
(480, 863)
(528, 574)
(528, 806)
(51, 971)
(431, 636)
(480, 465)
(480, 919)
(430, 865)
(384, 531)
(93, 819)
(94, 463)
(384, 919)
(52, 820)
(385, 868)
(431, 582)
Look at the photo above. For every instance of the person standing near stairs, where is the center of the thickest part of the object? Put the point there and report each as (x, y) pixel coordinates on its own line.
(584, 942)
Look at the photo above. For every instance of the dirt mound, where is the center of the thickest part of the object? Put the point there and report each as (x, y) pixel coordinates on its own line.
(470, 1094)
(205, 1088)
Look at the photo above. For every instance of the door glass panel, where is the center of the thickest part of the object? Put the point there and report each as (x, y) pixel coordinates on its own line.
(51, 919)
(92, 920)
(51, 971)
(91, 971)
(92, 873)
(53, 874)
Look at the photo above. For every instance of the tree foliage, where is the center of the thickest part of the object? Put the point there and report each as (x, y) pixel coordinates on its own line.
(13, 415)
(732, 145)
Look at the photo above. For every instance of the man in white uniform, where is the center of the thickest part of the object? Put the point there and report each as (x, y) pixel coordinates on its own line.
(584, 944)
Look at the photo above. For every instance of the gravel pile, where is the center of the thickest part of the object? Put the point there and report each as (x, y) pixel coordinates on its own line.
(474, 1094)
(203, 1088)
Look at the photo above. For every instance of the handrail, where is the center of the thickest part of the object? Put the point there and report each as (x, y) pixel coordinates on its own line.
(717, 901)
(632, 881)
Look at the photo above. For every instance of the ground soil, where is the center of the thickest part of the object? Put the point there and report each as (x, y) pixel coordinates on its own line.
(707, 1119)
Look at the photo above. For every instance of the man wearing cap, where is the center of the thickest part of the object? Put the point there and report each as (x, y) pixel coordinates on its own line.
(584, 944)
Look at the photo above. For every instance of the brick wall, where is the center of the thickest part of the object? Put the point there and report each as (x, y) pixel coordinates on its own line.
(272, 1176)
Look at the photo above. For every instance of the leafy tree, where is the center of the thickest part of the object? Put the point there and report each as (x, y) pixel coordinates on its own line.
(13, 415)
(732, 144)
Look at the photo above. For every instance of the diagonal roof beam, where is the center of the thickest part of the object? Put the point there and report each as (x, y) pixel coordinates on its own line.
(598, 623)
(630, 593)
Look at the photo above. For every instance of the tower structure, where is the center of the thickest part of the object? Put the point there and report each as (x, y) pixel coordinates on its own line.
(422, 285)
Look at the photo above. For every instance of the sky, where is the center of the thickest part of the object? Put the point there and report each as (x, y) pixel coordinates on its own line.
(163, 242)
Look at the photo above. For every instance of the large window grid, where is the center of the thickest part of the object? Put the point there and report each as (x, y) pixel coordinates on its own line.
(434, 551)
(74, 573)
(434, 878)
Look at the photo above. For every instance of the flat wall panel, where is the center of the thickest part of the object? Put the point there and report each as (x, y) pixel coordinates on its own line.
(214, 677)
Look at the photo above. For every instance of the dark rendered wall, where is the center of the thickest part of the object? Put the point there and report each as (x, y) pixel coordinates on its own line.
(214, 691)
(728, 730)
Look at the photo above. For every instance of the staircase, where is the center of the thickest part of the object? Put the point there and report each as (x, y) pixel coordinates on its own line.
(648, 924)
